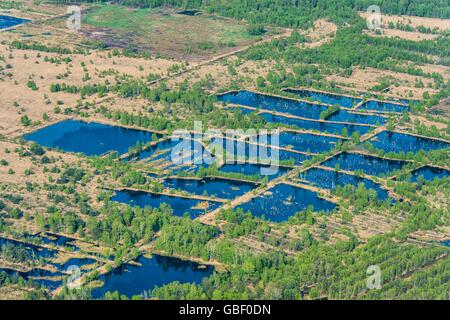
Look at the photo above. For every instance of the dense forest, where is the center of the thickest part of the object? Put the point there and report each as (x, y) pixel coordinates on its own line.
(296, 13)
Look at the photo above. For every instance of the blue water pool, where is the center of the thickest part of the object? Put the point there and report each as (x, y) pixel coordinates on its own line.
(180, 206)
(331, 179)
(334, 128)
(399, 142)
(220, 188)
(327, 98)
(367, 164)
(352, 117)
(37, 276)
(88, 138)
(256, 100)
(34, 250)
(283, 201)
(8, 21)
(131, 280)
(297, 108)
(383, 106)
(429, 173)
(257, 151)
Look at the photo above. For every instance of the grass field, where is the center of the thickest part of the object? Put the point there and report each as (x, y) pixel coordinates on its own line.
(164, 31)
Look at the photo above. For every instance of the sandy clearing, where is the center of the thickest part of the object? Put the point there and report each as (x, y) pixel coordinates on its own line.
(365, 79)
(29, 65)
(322, 32)
(20, 164)
(407, 35)
(441, 24)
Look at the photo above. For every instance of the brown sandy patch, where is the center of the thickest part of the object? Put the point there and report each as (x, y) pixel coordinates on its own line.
(366, 79)
(415, 22)
(20, 164)
(407, 35)
(322, 32)
(29, 65)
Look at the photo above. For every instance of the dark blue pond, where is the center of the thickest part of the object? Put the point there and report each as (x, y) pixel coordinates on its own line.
(327, 98)
(331, 179)
(256, 100)
(334, 128)
(51, 239)
(240, 150)
(254, 169)
(307, 142)
(8, 22)
(58, 240)
(383, 106)
(36, 251)
(284, 201)
(399, 142)
(180, 206)
(36, 276)
(131, 280)
(429, 173)
(446, 243)
(297, 108)
(220, 188)
(367, 164)
(347, 116)
(157, 151)
(88, 138)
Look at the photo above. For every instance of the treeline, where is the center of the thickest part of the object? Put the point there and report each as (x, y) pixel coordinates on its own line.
(351, 48)
(41, 47)
(421, 8)
(295, 13)
(86, 90)
(276, 12)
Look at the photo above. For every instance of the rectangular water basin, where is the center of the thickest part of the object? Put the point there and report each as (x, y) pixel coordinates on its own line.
(284, 201)
(130, 279)
(383, 106)
(331, 179)
(368, 164)
(8, 21)
(322, 126)
(89, 138)
(179, 205)
(398, 142)
(220, 188)
(327, 98)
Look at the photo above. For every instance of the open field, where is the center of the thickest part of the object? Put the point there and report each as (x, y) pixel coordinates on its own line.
(165, 32)
(403, 85)
(414, 22)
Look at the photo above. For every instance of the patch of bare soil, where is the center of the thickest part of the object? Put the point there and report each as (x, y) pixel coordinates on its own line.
(407, 35)
(13, 171)
(11, 292)
(415, 22)
(23, 67)
(428, 123)
(322, 32)
(442, 109)
(366, 79)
